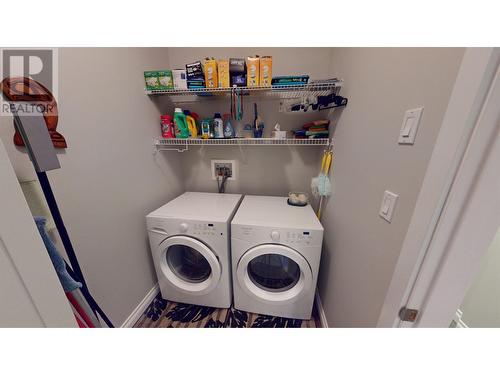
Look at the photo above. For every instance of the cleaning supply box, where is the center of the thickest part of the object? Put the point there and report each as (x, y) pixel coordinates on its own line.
(195, 75)
(159, 80)
(237, 72)
(266, 71)
(223, 72)
(211, 78)
(253, 71)
(180, 79)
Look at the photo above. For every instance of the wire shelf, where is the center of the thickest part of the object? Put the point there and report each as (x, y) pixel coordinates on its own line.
(283, 92)
(180, 144)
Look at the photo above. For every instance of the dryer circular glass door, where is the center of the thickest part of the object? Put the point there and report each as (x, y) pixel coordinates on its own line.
(190, 265)
(274, 273)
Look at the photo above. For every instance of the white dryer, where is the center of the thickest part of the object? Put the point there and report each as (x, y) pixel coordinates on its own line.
(276, 251)
(190, 244)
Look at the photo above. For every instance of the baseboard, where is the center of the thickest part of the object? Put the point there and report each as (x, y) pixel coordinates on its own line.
(321, 312)
(139, 310)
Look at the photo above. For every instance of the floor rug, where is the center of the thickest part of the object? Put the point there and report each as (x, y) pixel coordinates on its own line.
(166, 314)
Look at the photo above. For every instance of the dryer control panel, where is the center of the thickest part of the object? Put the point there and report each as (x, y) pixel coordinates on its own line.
(290, 237)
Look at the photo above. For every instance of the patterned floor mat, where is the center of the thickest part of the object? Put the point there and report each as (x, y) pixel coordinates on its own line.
(166, 314)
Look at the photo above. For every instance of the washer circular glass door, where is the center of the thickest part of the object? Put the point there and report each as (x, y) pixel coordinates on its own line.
(274, 273)
(189, 265)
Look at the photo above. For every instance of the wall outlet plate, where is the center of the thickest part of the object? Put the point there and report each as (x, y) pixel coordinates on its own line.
(230, 164)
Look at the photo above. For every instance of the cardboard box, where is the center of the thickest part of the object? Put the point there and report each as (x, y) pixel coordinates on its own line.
(223, 72)
(266, 71)
(237, 71)
(180, 79)
(194, 70)
(159, 80)
(253, 71)
(211, 78)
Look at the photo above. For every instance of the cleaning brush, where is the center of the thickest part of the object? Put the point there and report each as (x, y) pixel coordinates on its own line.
(320, 185)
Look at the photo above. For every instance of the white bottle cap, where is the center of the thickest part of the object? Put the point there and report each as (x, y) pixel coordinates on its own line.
(178, 110)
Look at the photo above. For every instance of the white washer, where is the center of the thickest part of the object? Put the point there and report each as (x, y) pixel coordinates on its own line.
(276, 251)
(190, 242)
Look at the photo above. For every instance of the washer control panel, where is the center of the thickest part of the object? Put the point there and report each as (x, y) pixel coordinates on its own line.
(204, 229)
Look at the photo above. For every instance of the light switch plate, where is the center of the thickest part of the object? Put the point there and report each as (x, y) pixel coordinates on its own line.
(388, 204)
(409, 128)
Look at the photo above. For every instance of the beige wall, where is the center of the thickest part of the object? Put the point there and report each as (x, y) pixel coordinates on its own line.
(262, 170)
(109, 178)
(360, 248)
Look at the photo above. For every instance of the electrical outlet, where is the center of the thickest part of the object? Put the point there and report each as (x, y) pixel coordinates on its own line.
(221, 167)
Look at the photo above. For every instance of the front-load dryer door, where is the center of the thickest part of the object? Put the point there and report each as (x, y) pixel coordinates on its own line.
(274, 274)
(189, 265)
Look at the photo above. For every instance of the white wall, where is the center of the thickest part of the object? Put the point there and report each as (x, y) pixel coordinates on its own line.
(109, 178)
(481, 305)
(360, 248)
(262, 170)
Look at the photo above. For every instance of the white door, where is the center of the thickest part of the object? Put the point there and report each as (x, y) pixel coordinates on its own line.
(30, 291)
(467, 224)
(274, 274)
(189, 265)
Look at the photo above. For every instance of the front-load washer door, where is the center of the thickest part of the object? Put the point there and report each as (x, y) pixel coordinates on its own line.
(189, 265)
(274, 273)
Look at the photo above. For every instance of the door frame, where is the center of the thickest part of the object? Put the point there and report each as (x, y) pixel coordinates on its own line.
(457, 153)
(22, 242)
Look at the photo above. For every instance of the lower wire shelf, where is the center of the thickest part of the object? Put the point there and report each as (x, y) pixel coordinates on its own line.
(182, 144)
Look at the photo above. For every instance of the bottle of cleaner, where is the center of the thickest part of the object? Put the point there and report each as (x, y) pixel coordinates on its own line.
(228, 127)
(167, 126)
(181, 125)
(191, 122)
(205, 129)
(218, 126)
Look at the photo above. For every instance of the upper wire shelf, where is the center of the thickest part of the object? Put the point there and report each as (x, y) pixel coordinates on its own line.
(321, 88)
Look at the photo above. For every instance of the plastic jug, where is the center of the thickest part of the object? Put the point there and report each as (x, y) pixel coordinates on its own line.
(181, 126)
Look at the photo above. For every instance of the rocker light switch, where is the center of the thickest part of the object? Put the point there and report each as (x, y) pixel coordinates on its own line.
(410, 125)
(387, 206)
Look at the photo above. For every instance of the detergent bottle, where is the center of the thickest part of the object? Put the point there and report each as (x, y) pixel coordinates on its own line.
(167, 126)
(228, 128)
(218, 126)
(181, 126)
(191, 122)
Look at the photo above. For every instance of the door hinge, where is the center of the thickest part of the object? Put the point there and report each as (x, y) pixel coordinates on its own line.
(408, 315)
